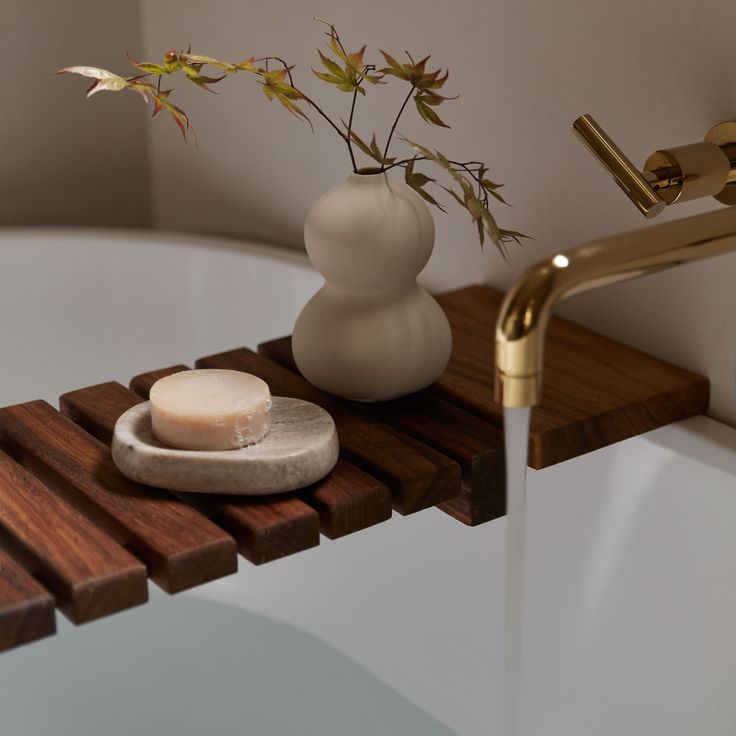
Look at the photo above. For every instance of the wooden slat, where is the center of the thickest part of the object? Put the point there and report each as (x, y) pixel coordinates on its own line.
(347, 500)
(476, 444)
(90, 574)
(142, 383)
(26, 609)
(596, 390)
(264, 529)
(97, 408)
(418, 476)
(180, 547)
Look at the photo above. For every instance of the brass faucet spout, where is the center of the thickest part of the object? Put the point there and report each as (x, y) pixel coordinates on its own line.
(525, 312)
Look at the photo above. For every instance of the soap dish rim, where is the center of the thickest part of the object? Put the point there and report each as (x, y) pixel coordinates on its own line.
(141, 462)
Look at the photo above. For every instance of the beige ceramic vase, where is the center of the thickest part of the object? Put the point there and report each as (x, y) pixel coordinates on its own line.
(371, 333)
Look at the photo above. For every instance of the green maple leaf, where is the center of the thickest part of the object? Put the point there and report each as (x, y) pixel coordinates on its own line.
(417, 181)
(372, 150)
(423, 102)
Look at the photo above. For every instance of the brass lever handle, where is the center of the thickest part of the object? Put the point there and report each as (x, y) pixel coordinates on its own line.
(670, 175)
(624, 173)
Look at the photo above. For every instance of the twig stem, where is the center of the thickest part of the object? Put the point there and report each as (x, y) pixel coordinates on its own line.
(393, 127)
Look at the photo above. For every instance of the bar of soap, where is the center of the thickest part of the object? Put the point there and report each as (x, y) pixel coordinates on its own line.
(210, 409)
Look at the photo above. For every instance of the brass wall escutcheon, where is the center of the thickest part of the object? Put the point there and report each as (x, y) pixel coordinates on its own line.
(672, 174)
(724, 136)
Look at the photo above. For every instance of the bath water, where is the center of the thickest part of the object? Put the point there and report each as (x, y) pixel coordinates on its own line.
(516, 437)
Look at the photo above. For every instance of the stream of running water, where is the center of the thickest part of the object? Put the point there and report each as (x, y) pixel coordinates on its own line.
(516, 432)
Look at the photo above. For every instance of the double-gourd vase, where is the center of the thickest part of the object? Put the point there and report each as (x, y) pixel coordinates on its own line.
(371, 333)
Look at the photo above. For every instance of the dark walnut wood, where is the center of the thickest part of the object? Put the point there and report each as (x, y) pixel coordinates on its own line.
(596, 391)
(89, 574)
(418, 475)
(347, 500)
(143, 382)
(180, 547)
(475, 444)
(265, 529)
(97, 408)
(26, 608)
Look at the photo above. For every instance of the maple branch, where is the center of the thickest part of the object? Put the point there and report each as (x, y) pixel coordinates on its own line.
(366, 69)
(347, 72)
(396, 122)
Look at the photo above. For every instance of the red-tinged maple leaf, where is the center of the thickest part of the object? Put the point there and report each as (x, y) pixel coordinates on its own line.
(353, 73)
(145, 89)
(275, 87)
(161, 102)
(415, 73)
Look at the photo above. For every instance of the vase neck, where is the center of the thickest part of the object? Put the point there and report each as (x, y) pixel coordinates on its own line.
(375, 180)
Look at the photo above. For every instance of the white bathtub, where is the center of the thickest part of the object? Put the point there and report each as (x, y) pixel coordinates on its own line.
(80, 306)
(631, 562)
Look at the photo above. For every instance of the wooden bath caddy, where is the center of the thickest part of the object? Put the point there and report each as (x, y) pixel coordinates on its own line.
(76, 535)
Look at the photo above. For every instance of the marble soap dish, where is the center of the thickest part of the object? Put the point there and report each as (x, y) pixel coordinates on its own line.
(300, 448)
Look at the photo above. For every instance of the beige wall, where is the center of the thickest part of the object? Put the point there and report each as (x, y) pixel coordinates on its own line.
(655, 73)
(65, 160)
